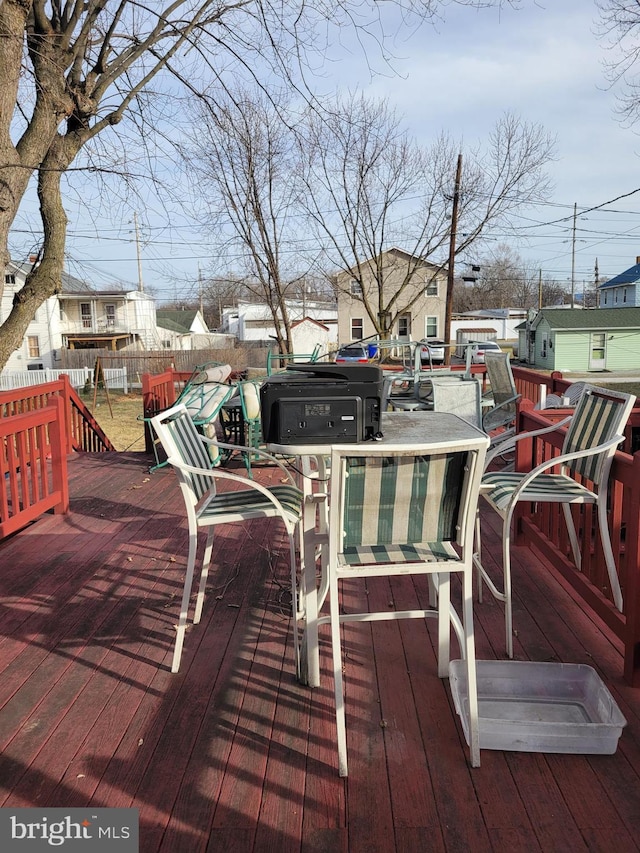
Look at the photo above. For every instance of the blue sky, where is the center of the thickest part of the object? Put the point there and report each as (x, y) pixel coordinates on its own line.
(542, 62)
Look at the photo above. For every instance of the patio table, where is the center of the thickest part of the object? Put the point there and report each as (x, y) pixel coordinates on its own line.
(413, 431)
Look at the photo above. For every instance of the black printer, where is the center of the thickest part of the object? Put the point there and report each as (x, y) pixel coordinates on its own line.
(316, 403)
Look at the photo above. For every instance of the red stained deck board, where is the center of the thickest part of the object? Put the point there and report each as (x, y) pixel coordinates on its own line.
(231, 753)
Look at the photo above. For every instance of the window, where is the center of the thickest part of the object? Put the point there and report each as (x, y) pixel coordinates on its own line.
(9, 278)
(431, 288)
(110, 313)
(85, 313)
(624, 295)
(403, 327)
(431, 327)
(357, 329)
(543, 346)
(33, 346)
(355, 288)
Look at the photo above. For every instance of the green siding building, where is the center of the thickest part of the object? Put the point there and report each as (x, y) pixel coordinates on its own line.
(576, 339)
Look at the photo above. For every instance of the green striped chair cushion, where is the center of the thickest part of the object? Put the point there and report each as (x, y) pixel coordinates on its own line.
(251, 500)
(595, 421)
(498, 486)
(401, 500)
(429, 552)
(192, 451)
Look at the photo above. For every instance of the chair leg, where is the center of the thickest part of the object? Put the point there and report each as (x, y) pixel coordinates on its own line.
(506, 567)
(206, 562)
(505, 594)
(472, 683)
(444, 622)
(573, 536)
(186, 595)
(294, 601)
(477, 555)
(336, 649)
(605, 538)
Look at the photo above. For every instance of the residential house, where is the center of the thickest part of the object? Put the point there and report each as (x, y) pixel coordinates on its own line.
(576, 339)
(185, 329)
(251, 321)
(79, 317)
(428, 287)
(622, 291)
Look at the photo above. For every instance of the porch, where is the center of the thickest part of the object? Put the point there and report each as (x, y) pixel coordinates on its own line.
(231, 753)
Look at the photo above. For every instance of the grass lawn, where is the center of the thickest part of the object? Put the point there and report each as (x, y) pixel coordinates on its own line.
(117, 414)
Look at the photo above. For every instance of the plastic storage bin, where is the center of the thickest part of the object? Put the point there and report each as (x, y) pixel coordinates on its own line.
(526, 706)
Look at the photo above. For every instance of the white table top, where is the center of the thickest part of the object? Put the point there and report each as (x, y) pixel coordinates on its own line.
(420, 430)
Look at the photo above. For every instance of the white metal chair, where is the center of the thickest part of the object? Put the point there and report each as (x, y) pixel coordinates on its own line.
(594, 432)
(406, 512)
(206, 507)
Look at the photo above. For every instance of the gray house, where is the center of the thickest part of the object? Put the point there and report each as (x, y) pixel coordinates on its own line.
(579, 339)
(623, 291)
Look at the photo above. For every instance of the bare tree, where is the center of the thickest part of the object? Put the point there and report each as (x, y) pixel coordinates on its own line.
(619, 29)
(367, 186)
(243, 155)
(74, 69)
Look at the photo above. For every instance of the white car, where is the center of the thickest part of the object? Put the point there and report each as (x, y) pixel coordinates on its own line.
(431, 351)
(479, 349)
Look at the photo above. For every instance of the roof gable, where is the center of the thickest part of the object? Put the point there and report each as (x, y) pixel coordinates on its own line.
(630, 276)
(175, 320)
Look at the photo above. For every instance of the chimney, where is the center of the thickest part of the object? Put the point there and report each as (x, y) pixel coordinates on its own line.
(34, 258)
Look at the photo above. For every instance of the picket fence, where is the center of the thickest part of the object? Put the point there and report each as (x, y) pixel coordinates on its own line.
(79, 377)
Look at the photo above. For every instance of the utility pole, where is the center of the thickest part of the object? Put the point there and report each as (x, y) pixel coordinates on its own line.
(135, 225)
(573, 258)
(539, 289)
(596, 282)
(452, 256)
(200, 291)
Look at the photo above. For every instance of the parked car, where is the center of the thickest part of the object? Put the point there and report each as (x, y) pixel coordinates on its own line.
(432, 351)
(479, 349)
(352, 353)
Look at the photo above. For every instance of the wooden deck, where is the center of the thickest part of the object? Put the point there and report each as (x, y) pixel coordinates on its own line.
(231, 754)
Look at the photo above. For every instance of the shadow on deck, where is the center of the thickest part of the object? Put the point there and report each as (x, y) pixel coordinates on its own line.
(231, 753)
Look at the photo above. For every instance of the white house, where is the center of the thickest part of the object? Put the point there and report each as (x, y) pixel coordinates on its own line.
(79, 317)
(250, 321)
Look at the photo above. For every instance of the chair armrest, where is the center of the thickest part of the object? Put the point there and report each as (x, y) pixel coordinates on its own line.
(220, 474)
(254, 451)
(561, 460)
(507, 445)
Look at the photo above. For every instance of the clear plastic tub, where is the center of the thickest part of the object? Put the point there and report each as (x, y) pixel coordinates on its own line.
(526, 706)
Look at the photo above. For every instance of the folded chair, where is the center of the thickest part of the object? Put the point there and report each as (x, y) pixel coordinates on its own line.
(406, 512)
(594, 432)
(206, 507)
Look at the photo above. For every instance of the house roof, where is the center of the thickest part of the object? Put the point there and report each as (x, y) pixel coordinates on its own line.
(572, 319)
(309, 320)
(175, 320)
(630, 276)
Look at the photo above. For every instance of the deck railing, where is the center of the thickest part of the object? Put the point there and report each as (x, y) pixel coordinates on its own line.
(33, 465)
(159, 391)
(542, 526)
(82, 430)
(39, 427)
